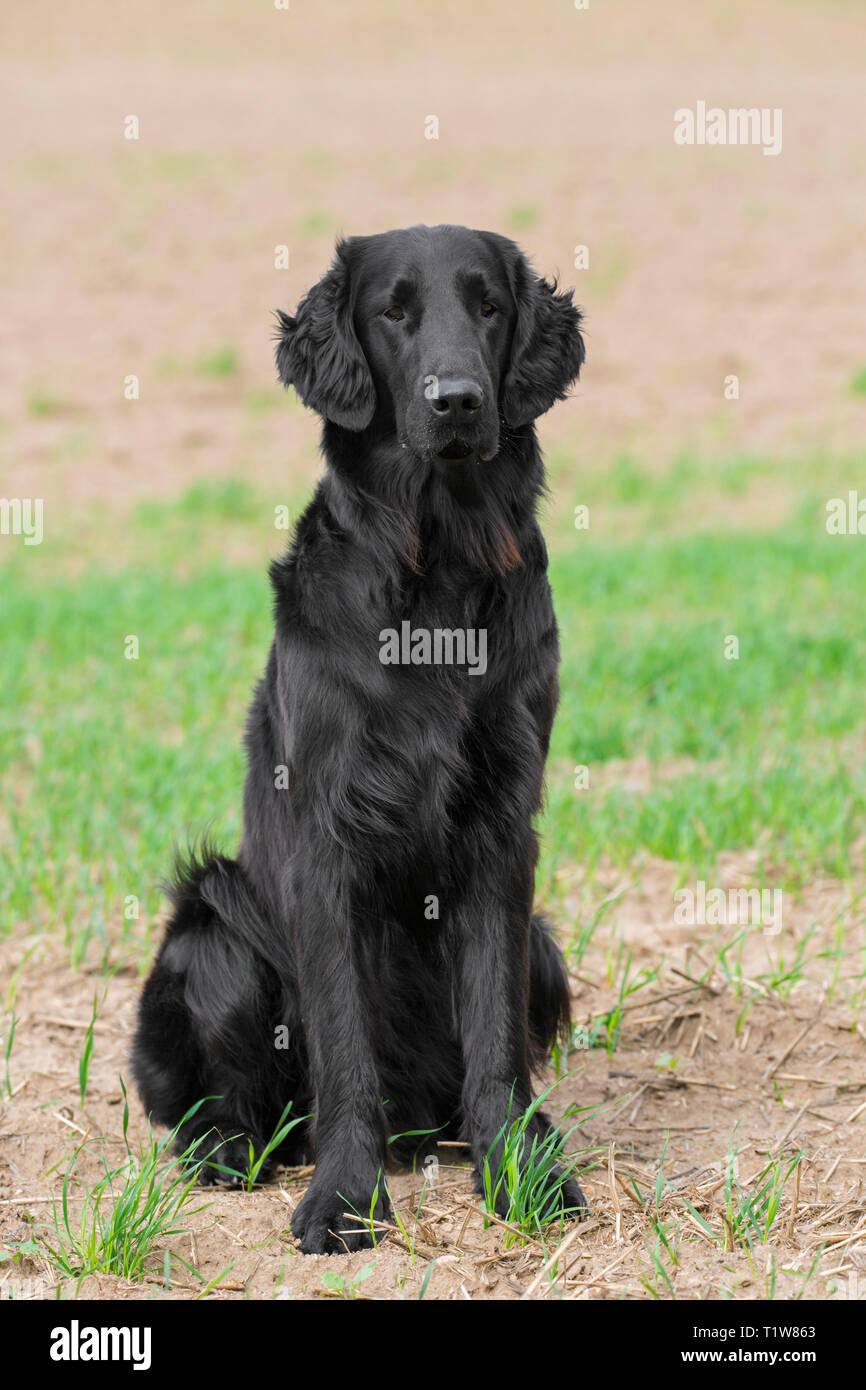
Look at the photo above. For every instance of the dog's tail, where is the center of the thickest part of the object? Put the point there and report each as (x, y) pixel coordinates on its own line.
(206, 883)
(221, 977)
(549, 1002)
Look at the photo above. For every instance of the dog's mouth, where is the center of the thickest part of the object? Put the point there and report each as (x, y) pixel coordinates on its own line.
(456, 451)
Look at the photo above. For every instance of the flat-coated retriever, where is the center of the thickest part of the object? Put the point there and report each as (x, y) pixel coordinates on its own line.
(372, 955)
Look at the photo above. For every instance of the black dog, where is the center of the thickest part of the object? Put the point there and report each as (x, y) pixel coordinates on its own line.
(378, 918)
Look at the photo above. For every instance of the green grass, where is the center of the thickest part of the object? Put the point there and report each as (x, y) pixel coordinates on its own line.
(107, 760)
(255, 1161)
(750, 1215)
(608, 271)
(530, 1170)
(87, 1050)
(522, 217)
(223, 362)
(42, 403)
(341, 1286)
(316, 224)
(210, 501)
(858, 382)
(774, 737)
(119, 1221)
(9, 1039)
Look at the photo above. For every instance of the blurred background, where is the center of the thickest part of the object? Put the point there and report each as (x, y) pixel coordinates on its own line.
(261, 127)
(262, 134)
(159, 258)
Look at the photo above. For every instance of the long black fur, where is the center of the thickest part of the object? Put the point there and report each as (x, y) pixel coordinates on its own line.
(371, 955)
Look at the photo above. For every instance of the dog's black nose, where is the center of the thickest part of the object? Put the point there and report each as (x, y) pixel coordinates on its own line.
(457, 400)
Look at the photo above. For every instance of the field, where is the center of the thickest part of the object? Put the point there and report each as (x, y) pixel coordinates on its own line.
(711, 731)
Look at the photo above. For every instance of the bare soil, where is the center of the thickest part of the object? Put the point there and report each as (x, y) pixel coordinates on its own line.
(695, 1073)
(144, 256)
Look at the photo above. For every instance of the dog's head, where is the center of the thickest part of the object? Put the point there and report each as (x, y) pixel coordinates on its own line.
(440, 334)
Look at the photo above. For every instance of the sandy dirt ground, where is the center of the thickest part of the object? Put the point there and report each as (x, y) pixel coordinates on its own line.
(697, 1073)
(260, 128)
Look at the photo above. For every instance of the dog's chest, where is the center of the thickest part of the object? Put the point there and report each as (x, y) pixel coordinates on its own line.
(441, 629)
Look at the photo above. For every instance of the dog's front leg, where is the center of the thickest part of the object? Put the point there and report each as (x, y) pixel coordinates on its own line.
(493, 1021)
(493, 1011)
(349, 1124)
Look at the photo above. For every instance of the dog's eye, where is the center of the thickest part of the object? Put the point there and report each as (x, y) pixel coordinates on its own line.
(487, 309)
(395, 313)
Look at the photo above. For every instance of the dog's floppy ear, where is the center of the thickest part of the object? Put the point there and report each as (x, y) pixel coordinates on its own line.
(547, 350)
(319, 354)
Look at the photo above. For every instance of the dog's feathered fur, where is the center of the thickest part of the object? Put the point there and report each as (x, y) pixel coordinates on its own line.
(405, 784)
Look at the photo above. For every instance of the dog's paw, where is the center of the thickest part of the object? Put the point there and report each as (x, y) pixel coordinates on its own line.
(327, 1223)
